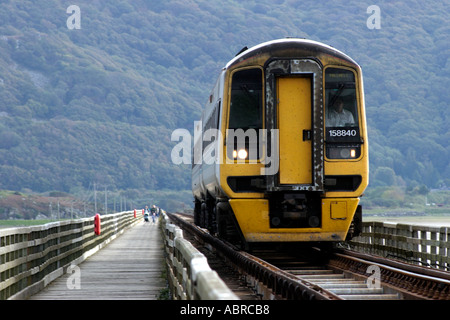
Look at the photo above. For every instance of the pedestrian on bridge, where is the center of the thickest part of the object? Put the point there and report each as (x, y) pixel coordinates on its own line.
(153, 212)
(146, 213)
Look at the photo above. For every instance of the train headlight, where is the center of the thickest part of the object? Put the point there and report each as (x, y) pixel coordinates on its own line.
(343, 152)
(240, 154)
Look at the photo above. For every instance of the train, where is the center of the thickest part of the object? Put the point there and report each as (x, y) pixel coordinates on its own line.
(280, 154)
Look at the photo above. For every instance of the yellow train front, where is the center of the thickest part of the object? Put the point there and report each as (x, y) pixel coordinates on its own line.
(281, 151)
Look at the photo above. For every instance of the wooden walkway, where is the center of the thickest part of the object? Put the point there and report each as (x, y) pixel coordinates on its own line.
(129, 268)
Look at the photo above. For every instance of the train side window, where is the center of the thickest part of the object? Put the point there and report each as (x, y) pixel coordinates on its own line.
(246, 110)
(341, 107)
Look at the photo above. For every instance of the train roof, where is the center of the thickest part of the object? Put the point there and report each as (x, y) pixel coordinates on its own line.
(284, 47)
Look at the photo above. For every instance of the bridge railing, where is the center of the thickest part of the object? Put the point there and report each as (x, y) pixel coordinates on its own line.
(32, 257)
(424, 245)
(189, 274)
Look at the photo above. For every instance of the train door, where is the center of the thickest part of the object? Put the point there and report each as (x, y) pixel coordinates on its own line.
(295, 135)
(294, 108)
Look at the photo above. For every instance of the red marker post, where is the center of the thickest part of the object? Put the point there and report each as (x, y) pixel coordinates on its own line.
(97, 224)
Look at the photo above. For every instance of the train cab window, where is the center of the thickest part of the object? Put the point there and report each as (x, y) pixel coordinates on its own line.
(246, 113)
(340, 96)
(246, 100)
(341, 114)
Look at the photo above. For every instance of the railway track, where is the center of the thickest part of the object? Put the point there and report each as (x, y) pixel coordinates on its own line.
(318, 274)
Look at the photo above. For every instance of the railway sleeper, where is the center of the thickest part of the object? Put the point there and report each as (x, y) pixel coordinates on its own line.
(343, 285)
(406, 284)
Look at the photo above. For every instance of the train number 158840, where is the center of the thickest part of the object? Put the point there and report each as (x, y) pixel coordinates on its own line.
(343, 133)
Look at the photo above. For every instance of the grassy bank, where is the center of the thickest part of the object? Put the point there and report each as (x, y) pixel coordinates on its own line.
(23, 223)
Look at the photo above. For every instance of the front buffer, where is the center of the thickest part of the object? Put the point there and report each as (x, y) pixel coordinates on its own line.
(253, 218)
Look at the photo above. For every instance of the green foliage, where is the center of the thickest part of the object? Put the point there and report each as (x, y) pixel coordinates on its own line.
(100, 103)
(23, 223)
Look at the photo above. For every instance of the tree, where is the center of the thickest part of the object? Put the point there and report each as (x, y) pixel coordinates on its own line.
(384, 176)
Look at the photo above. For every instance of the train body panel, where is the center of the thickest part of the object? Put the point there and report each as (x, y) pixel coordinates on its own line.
(253, 216)
(289, 145)
(205, 168)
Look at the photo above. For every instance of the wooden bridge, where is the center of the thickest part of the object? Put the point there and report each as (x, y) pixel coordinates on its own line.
(129, 259)
(63, 260)
(129, 268)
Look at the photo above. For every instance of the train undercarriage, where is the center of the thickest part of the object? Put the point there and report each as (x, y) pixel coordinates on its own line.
(288, 217)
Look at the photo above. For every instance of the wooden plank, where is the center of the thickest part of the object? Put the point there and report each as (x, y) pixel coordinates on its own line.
(130, 267)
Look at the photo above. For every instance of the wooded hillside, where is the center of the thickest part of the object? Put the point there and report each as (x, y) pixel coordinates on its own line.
(99, 104)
